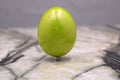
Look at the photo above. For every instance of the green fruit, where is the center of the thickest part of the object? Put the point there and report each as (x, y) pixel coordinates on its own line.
(56, 32)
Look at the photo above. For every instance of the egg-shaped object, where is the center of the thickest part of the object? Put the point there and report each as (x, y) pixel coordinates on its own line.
(56, 32)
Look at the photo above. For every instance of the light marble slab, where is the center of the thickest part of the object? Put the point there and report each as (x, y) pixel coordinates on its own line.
(21, 58)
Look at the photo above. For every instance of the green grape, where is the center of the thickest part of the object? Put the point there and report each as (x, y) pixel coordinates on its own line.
(56, 32)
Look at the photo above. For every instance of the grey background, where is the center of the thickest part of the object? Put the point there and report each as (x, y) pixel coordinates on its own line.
(26, 13)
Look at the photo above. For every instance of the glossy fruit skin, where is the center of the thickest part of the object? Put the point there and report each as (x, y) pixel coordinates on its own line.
(56, 32)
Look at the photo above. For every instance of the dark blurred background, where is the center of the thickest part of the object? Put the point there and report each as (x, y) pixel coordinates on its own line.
(26, 13)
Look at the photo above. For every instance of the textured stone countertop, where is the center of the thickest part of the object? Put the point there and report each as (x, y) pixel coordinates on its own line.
(95, 56)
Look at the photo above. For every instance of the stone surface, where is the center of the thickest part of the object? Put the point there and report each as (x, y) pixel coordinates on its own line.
(21, 58)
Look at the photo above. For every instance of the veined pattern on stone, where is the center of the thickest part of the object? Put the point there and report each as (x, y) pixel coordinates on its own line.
(21, 58)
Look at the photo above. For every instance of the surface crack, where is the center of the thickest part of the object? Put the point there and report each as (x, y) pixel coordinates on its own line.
(74, 77)
(12, 72)
(15, 54)
(33, 67)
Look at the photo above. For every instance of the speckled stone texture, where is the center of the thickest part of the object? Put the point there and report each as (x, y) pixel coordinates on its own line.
(21, 58)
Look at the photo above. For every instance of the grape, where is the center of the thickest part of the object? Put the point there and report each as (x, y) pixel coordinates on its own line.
(56, 32)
